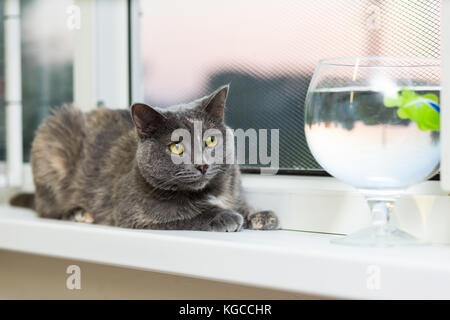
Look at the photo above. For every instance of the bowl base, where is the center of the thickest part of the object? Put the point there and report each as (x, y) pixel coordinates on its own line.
(380, 236)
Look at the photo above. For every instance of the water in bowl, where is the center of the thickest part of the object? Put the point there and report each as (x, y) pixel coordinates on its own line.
(357, 139)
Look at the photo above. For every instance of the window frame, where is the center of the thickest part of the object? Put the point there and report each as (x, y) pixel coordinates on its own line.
(308, 190)
(445, 113)
(93, 80)
(13, 176)
(101, 61)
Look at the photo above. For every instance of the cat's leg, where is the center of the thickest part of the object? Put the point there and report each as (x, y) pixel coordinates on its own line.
(46, 205)
(81, 215)
(226, 220)
(258, 220)
(218, 219)
(262, 220)
(211, 219)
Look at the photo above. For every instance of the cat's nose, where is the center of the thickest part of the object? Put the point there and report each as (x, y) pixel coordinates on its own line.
(202, 168)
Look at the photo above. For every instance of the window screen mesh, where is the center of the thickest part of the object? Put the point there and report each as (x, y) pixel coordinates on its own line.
(268, 49)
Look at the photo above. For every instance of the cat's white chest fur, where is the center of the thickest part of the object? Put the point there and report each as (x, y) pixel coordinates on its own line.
(220, 201)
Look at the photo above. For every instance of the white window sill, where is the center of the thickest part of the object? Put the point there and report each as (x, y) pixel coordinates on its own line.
(324, 204)
(287, 260)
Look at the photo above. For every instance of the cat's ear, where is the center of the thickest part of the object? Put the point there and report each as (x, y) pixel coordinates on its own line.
(146, 119)
(215, 105)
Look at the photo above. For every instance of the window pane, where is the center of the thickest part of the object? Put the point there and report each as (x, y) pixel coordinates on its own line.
(268, 50)
(47, 62)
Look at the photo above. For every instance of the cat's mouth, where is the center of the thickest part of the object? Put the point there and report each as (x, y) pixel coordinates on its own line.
(193, 181)
(182, 185)
(196, 186)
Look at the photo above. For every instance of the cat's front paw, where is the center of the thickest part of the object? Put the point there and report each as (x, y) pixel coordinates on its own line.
(262, 220)
(225, 221)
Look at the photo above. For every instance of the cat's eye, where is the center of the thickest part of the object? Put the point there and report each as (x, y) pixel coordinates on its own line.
(211, 141)
(177, 148)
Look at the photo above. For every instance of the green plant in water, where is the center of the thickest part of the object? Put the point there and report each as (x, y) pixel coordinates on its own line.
(422, 109)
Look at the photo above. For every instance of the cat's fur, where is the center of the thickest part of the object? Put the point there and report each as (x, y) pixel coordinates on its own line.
(117, 167)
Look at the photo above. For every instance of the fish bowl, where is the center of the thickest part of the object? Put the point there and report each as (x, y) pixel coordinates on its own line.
(373, 123)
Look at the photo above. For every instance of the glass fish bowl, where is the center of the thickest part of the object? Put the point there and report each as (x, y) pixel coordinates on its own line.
(373, 122)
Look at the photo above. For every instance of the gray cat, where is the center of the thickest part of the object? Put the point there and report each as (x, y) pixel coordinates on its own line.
(110, 168)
